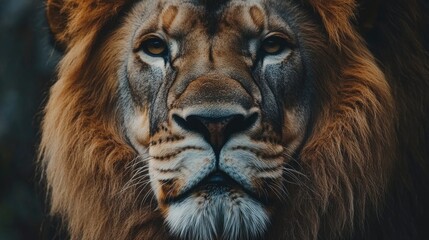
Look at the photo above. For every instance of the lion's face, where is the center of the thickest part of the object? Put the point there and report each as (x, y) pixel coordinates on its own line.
(216, 101)
(259, 119)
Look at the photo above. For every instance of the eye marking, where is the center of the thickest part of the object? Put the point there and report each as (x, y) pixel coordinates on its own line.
(275, 44)
(154, 46)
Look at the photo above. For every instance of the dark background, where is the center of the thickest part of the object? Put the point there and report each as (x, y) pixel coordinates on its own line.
(27, 65)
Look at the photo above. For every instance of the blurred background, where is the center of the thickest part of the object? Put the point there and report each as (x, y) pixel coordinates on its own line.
(27, 65)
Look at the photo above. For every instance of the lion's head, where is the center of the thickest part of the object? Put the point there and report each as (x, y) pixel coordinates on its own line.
(215, 120)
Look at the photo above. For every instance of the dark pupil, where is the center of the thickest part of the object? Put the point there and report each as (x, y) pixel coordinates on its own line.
(156, 44)
(272, 43)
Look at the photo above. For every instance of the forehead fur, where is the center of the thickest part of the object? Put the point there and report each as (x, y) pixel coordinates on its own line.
(212, 5)
(210, 11)
(175, 19)
(72, 20)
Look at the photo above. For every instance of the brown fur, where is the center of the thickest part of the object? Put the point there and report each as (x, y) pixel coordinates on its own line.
(369, 138)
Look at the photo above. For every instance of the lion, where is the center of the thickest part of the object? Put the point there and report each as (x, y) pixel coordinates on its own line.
(232, 119)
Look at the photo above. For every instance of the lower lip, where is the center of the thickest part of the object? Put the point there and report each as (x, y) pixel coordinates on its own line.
(214, 188)
(212, 185)
(215, 184)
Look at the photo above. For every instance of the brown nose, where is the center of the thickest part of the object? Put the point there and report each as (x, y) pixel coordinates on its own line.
(216, 130)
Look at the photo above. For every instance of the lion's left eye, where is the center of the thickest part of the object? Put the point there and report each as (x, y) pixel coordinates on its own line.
(274, 45)
(155, 47)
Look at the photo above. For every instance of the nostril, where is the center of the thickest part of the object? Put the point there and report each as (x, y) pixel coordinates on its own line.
(191, 123)
(241, 124)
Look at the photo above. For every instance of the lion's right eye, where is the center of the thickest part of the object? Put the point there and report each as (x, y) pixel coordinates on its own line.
(155, 47)
(274, 45)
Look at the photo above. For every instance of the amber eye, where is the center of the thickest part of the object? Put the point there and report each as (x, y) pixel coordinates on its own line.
(274, 45)
(155, 47)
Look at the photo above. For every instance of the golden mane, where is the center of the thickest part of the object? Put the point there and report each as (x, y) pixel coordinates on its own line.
(370, 135)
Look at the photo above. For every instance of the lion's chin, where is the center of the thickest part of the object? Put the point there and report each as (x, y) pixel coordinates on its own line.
(219, 214)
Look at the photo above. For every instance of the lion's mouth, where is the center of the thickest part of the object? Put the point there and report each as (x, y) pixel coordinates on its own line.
(216, 183)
